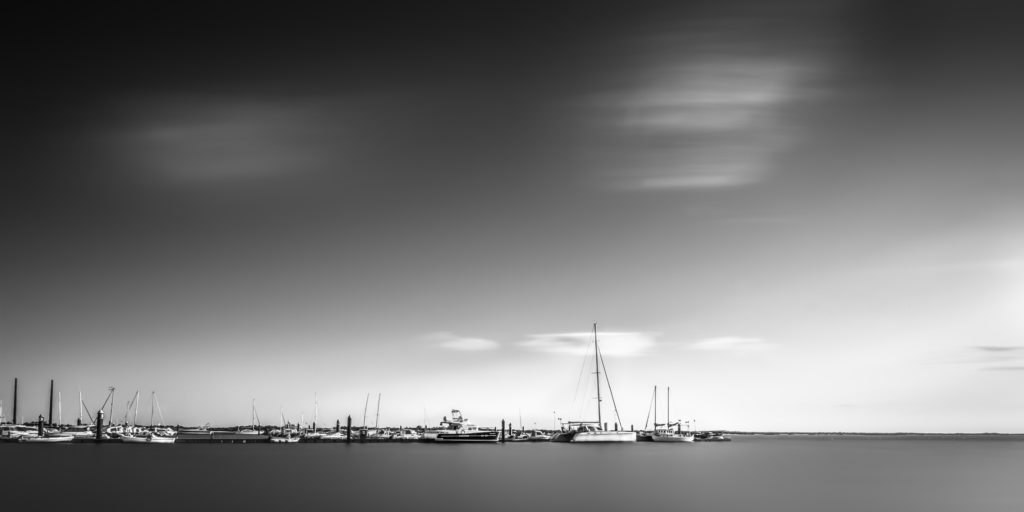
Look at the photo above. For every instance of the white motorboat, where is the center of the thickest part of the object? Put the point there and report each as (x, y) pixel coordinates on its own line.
(461, 430)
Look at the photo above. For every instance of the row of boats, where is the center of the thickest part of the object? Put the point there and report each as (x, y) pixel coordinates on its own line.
(455, 430)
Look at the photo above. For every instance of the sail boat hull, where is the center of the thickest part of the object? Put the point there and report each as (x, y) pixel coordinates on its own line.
(672, 438)
(604, 436)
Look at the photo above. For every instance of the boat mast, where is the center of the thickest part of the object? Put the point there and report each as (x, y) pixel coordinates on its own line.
(60, 416)
(79, 406)
(365, 407)
(668, 409)
(152, 396)
(135, 419)
(655, 409)
(375, 421)
(597, 366)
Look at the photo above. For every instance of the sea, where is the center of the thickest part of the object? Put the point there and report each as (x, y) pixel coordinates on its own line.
(753, 473)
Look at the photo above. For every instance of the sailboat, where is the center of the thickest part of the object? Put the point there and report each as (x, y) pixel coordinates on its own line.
(666, 435)
(253, 429)
(590, 431)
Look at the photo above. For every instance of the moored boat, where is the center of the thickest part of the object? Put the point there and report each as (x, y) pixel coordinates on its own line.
(594, 431)
(461, 430)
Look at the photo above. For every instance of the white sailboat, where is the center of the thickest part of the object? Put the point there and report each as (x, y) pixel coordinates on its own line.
(594, 432)
(666, 435)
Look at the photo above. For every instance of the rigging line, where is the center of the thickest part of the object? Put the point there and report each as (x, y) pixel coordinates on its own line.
(87, 413)
(610, 392)
(158, 409)
(583, 368)
(649, 412)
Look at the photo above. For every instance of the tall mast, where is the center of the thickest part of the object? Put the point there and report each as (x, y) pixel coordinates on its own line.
(135, 419)
(597, 366)
(79, 406)
(60, 416)
(655, 409)
(378, 412)
(668, 409)
(152, 397)
(365, 407)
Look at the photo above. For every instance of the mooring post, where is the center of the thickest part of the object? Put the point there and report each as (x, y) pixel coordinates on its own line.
(606, 425)
(348, 429)
(39, 427)
(337, 426)
(50, 417)
(99, 425)
(631, 427)
(503, 430)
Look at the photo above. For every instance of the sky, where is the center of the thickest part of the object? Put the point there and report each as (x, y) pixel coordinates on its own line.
(796, 215)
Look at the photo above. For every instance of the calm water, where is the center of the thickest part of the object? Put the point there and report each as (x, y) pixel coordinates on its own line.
(763, 474)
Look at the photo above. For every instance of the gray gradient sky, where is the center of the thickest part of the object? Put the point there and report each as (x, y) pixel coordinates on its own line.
(800, 216)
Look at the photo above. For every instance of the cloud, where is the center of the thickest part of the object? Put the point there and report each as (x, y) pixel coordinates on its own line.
(452, 341)
(578, 343)
(1000, 349)
(200, 139)
(707, 123)
(734, 344)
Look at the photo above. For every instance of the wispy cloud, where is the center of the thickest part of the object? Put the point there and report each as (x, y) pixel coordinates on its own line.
(612, 343)
(709, 122)
(199, 139)
(452, 341)
(734, 344)
(999, 348)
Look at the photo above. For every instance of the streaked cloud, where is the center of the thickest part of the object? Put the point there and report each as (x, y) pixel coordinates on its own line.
(709, 122)
(734, 344)
(1000, 349)
(578, 343)
(199, 139)
(452, 341)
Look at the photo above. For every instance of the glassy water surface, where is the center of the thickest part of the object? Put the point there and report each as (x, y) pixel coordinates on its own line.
(763, 474)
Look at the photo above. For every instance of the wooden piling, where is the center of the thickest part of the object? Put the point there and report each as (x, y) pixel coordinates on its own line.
(99, 425)
(348, 429)
(502, 430)
(50, 417)
(39, 426)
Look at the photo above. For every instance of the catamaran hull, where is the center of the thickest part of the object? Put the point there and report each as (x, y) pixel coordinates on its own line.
(604, 437)
(468, 437)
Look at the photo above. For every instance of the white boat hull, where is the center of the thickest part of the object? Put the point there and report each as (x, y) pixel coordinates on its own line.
(672, 438)
(604, 436)
(147, 440)
(46, 439)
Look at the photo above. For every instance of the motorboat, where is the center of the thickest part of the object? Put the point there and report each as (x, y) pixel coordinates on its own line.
(461, 430)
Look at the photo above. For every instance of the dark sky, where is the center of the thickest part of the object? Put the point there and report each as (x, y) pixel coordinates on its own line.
(364, 197)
